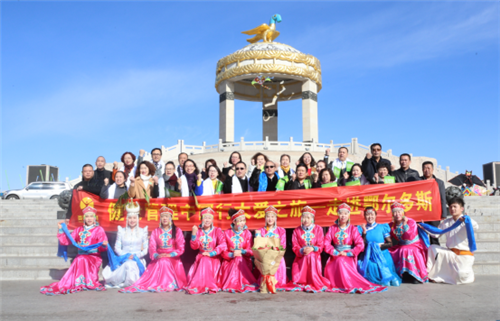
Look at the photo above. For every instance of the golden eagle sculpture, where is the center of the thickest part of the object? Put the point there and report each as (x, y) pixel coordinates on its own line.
(264, 32)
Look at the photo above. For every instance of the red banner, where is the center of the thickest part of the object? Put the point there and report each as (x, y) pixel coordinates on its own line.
(421, 200)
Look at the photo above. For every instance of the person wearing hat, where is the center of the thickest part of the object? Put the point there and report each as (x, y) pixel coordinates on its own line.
(410, 253)
(165, 273)
(375, 263)
(273, 230)
(343, 243)
(83, 274)
(236, 271)
(307, 243)
(132, 240)
(210, 241)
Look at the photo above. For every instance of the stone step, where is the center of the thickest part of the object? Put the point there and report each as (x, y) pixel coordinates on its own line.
(488, 245)
(19, 222)
(31, 207)
(42, 239)
(482, 256)
(33, 261)
(486, 220)
(17, 230)
(23, 273)
(28, 250)
(486, 268)
(26, 215)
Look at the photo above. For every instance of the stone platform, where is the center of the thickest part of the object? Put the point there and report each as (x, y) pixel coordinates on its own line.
(21, 300)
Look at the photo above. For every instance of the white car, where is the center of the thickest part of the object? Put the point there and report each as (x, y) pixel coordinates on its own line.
(47, 190)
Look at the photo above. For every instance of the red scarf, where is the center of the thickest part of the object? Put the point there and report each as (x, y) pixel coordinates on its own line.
(172, 180)
(128, 168)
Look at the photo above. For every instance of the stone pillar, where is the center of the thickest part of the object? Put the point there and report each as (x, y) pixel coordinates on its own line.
(270, 121)
(226, 111)
(309, 111)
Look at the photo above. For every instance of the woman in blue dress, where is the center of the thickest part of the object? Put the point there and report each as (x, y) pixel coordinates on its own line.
(376, 263)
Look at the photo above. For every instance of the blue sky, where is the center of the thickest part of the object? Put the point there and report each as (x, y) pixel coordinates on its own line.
(81, 79)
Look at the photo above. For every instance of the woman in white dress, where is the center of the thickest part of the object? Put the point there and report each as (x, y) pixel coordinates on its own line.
(129, 240)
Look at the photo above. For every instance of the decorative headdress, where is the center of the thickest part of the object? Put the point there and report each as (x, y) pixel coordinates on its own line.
(396, 206)
(271, 209)
(166, 211)
(207, 211)
(237, 215)
(344, 206)
(89, 209)
(132, 208)
(309, 210)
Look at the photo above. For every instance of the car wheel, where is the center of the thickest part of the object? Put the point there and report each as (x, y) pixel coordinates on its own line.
(12, 197)
(54, 197)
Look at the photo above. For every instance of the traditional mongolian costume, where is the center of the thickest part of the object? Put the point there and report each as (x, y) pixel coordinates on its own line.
(280, 233)
(129, 242)
(453, 264)
(164, 274)
(410, 254)
(236, 271)
(203, 274)
(375, 264)
(341, 270)
(83, 273)
(306, 269)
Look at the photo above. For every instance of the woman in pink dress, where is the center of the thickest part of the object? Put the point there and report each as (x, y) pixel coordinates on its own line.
(210, 240)
(165, 273)
(83, 273)
(307, 245)
(236, 271)
(272, 230)
(343, 243)
(409, 255)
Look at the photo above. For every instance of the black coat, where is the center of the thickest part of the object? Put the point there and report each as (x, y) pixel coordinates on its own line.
(403, 176)
(442, 194)
(92, 186)
(369, 166)
(228, 183)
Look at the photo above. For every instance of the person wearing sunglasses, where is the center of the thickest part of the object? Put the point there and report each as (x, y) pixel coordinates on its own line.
(266, 180)
(371, 161)
(237, 181)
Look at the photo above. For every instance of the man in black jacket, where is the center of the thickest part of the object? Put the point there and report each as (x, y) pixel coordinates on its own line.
(405, 173)
(237, 183)
(371, 161)
(272, 178)
(428, 170)
(88, 184)
(100, 174)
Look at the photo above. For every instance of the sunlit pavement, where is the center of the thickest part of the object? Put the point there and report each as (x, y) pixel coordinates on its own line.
(21, 300)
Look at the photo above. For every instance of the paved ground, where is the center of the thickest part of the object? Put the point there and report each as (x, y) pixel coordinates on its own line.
(478, 301)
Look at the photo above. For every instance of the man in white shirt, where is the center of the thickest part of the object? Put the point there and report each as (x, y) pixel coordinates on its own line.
(341, 164)
(453, 264)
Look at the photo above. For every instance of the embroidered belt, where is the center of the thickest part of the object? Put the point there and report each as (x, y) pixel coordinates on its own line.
(342, 247)
(80, 252)
(406, 242)
(461, 252)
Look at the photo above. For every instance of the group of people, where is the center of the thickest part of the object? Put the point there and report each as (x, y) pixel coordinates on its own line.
(361, 259)
(156, 178)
